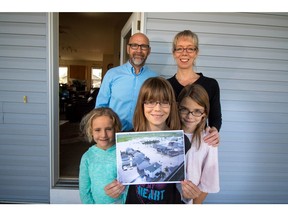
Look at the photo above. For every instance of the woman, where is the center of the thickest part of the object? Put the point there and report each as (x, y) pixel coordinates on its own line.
(185, 51)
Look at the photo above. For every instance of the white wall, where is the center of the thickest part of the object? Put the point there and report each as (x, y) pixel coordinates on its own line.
(24, 127)
(69, 197)
(248, 55)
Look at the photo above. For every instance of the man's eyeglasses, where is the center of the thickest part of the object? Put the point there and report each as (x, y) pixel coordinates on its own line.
(188, 50)
(196, 112)
(152, 104)
(142, 46)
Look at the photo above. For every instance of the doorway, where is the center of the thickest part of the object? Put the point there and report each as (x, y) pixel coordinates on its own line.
(86, 41)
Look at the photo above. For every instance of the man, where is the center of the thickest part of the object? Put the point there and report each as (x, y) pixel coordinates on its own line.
(120, 86)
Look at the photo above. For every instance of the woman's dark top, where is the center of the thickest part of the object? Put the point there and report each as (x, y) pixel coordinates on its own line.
(213, 90)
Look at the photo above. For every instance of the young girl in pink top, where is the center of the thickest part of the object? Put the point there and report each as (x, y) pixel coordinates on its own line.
(201, 158)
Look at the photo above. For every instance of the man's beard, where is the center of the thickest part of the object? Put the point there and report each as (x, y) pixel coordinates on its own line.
(137, 61)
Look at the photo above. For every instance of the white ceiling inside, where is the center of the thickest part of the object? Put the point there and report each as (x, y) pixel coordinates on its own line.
(87, 36)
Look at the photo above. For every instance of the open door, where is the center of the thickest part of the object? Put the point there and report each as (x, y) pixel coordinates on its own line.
(63, 190)
(132, 26)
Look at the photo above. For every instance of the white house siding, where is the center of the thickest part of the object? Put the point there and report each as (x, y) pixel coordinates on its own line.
(248, 55)
(24, 128)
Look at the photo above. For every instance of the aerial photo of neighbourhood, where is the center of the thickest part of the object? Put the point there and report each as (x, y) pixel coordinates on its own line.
(150, 157)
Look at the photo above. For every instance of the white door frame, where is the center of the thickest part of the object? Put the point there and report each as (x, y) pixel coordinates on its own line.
(132, 26)
(57, 195)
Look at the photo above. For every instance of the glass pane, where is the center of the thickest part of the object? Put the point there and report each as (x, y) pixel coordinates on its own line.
(96, 77)
(63, 73)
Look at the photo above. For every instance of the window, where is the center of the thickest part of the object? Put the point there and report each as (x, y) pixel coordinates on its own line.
(63, 75)
(96, 77)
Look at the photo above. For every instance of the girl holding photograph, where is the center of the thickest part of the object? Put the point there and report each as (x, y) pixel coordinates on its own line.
(98, 164)
(156, 110)
(201, 159)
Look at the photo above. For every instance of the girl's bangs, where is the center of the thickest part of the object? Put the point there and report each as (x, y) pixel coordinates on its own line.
(159, 93)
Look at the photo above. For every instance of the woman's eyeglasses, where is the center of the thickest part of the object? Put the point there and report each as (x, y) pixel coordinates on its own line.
(188, 49)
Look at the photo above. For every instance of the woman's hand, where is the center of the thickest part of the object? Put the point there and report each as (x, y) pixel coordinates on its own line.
(212, 137)
(114, 189)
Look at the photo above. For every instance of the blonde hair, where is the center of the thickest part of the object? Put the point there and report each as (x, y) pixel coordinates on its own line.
(186, 34)
(87, 120)
(199, 95)
(156, 89)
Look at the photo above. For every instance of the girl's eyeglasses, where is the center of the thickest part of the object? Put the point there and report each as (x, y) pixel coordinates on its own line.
(152, 104)
(196, 112)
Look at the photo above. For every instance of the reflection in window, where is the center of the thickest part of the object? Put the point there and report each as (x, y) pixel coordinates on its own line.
(96, 77)
(63, 75)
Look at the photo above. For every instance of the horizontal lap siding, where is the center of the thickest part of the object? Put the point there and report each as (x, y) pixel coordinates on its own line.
(24, 127)
(248, 55)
